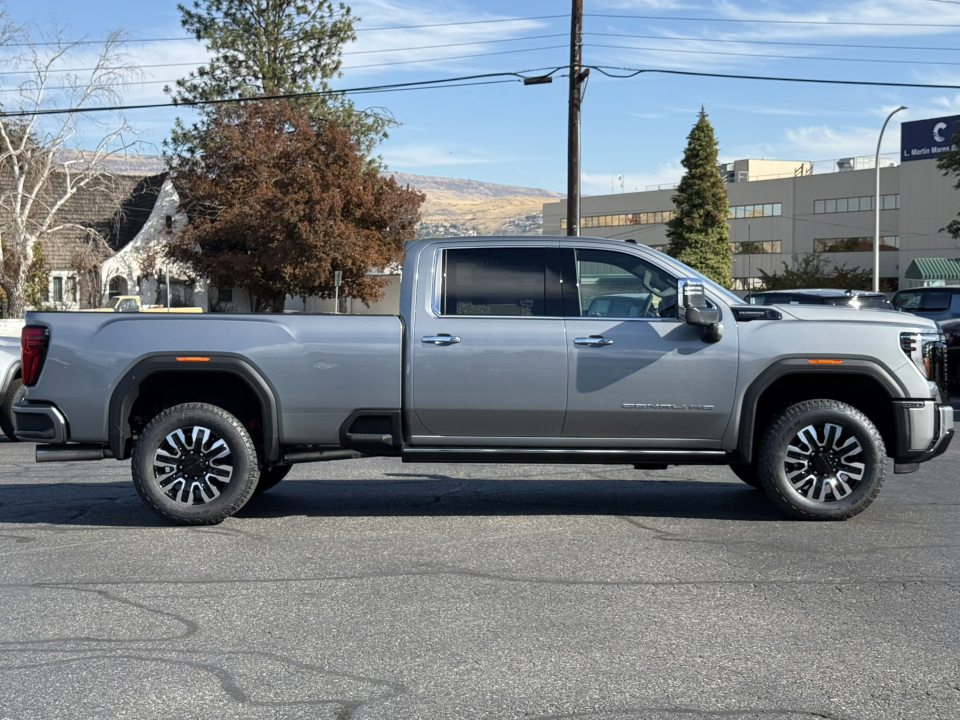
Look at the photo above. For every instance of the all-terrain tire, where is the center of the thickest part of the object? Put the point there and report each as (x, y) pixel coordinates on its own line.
(791, 429)
(181, 497)
(747, 473)
(270, 476)
(15, 393)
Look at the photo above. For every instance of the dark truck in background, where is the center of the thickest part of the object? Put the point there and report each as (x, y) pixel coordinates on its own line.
(506, 350)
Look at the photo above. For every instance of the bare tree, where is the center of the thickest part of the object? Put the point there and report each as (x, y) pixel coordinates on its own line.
(45, 159)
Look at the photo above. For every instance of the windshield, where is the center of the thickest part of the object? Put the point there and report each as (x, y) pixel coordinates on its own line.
(113, 303)
(722, 291)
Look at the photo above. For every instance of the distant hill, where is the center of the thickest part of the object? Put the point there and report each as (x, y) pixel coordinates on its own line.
(459, 207)
(454, 206)
(468, 190)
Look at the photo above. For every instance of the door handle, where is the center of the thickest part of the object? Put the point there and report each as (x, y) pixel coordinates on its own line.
(440, 339)
(594, 341)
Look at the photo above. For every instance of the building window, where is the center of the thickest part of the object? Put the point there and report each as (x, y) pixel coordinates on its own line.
(855, 244)
(756, 247)
(856, 204)
(755, 211)
(117, 286)
(644, 218)
(58, 289)
(225, 294)
(71, 290)
(494, 281)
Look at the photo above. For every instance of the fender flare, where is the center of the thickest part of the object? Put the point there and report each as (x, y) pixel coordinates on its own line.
(9, 376)
(128, 390)
(799, 365)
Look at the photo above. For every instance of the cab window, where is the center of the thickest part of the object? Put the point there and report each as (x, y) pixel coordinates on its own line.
(494, 282)
(610, 284)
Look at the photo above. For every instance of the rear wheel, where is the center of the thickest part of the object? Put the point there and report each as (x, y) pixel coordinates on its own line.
(195, 464)
(747, 473)
(270, 476)
(822, 460)
(15, 393)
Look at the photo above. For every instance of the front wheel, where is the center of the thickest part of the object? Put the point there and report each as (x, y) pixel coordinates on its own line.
(822, 460)
(195, 464)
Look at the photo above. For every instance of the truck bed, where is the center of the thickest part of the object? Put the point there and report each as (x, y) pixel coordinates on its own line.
(321, 368)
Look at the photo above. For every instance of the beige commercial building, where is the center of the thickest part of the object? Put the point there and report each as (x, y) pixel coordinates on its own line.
(779, 209)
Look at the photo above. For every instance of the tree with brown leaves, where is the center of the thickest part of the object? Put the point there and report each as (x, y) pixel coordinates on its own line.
(279, 201)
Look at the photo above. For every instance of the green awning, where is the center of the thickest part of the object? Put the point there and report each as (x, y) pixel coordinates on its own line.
(934, 269)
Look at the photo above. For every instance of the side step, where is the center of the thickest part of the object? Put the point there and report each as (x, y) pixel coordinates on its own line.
(563, 456)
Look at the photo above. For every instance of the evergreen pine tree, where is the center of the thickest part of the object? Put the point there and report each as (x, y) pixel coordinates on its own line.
(698, 231)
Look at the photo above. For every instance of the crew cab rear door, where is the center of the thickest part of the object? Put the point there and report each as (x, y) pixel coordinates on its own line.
(488, 351)
(635, 371)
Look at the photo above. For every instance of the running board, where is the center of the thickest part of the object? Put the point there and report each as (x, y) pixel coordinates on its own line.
(562, 456)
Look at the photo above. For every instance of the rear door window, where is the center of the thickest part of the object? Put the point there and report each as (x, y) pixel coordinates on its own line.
(494, 282)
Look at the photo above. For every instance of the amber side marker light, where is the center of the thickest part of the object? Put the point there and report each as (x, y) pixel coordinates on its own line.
(823, 361)
(193, 359)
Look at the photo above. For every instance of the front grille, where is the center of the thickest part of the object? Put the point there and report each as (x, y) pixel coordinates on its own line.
(938, 369)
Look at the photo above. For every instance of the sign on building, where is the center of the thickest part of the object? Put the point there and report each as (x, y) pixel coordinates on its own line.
(928, 139)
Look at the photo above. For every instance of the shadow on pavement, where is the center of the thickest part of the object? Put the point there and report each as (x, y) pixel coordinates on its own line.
(115, 504)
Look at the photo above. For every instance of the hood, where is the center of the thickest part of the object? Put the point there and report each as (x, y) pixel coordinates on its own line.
(844, 313)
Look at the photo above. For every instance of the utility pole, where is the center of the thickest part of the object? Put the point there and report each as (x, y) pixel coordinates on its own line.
(577, 77)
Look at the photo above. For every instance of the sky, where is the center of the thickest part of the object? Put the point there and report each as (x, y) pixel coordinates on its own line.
(632, 127)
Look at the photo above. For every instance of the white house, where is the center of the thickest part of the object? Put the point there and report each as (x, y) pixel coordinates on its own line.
(139, 267)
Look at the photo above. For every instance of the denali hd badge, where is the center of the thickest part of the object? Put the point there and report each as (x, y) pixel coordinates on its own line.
(664, 406)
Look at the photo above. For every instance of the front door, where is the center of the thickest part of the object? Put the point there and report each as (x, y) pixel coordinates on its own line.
(489, 359)
(635, 371)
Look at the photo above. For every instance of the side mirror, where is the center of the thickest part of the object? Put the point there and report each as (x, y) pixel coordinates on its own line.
(694, 311)
(693, 304)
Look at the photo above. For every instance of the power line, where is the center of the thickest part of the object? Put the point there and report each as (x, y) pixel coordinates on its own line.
(345, 67)
(778, 42)
(422, 84)
(472, 42)
(519, 75)
(770, 21)
(452, 57)
(134, 41)
(633, 72)
(780, 57)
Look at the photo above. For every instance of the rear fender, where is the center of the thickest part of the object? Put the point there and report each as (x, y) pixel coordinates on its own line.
(121, 402)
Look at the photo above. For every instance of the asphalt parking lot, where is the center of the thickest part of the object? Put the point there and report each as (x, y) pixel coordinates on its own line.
(370, 589)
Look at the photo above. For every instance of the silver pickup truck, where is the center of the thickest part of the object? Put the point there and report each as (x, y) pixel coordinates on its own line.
(507, 350)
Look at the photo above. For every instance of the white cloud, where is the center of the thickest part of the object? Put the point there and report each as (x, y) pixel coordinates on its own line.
(396, 46)
(406, 157)
(666, 174)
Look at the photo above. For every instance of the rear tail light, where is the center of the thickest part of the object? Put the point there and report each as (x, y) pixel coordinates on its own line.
(33, 351)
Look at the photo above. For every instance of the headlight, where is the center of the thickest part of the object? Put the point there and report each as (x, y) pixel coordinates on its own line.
(920, 347)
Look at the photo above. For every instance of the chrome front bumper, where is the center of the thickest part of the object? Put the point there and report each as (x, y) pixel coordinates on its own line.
(924, 429)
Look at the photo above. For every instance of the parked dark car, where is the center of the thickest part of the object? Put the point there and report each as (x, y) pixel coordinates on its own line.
(937, 303)
(821, 296)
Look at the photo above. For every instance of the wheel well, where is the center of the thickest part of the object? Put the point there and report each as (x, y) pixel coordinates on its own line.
(162, 390)
(861, 391)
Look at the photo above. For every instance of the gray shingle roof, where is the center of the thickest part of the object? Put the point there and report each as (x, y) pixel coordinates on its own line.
(114, 206)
